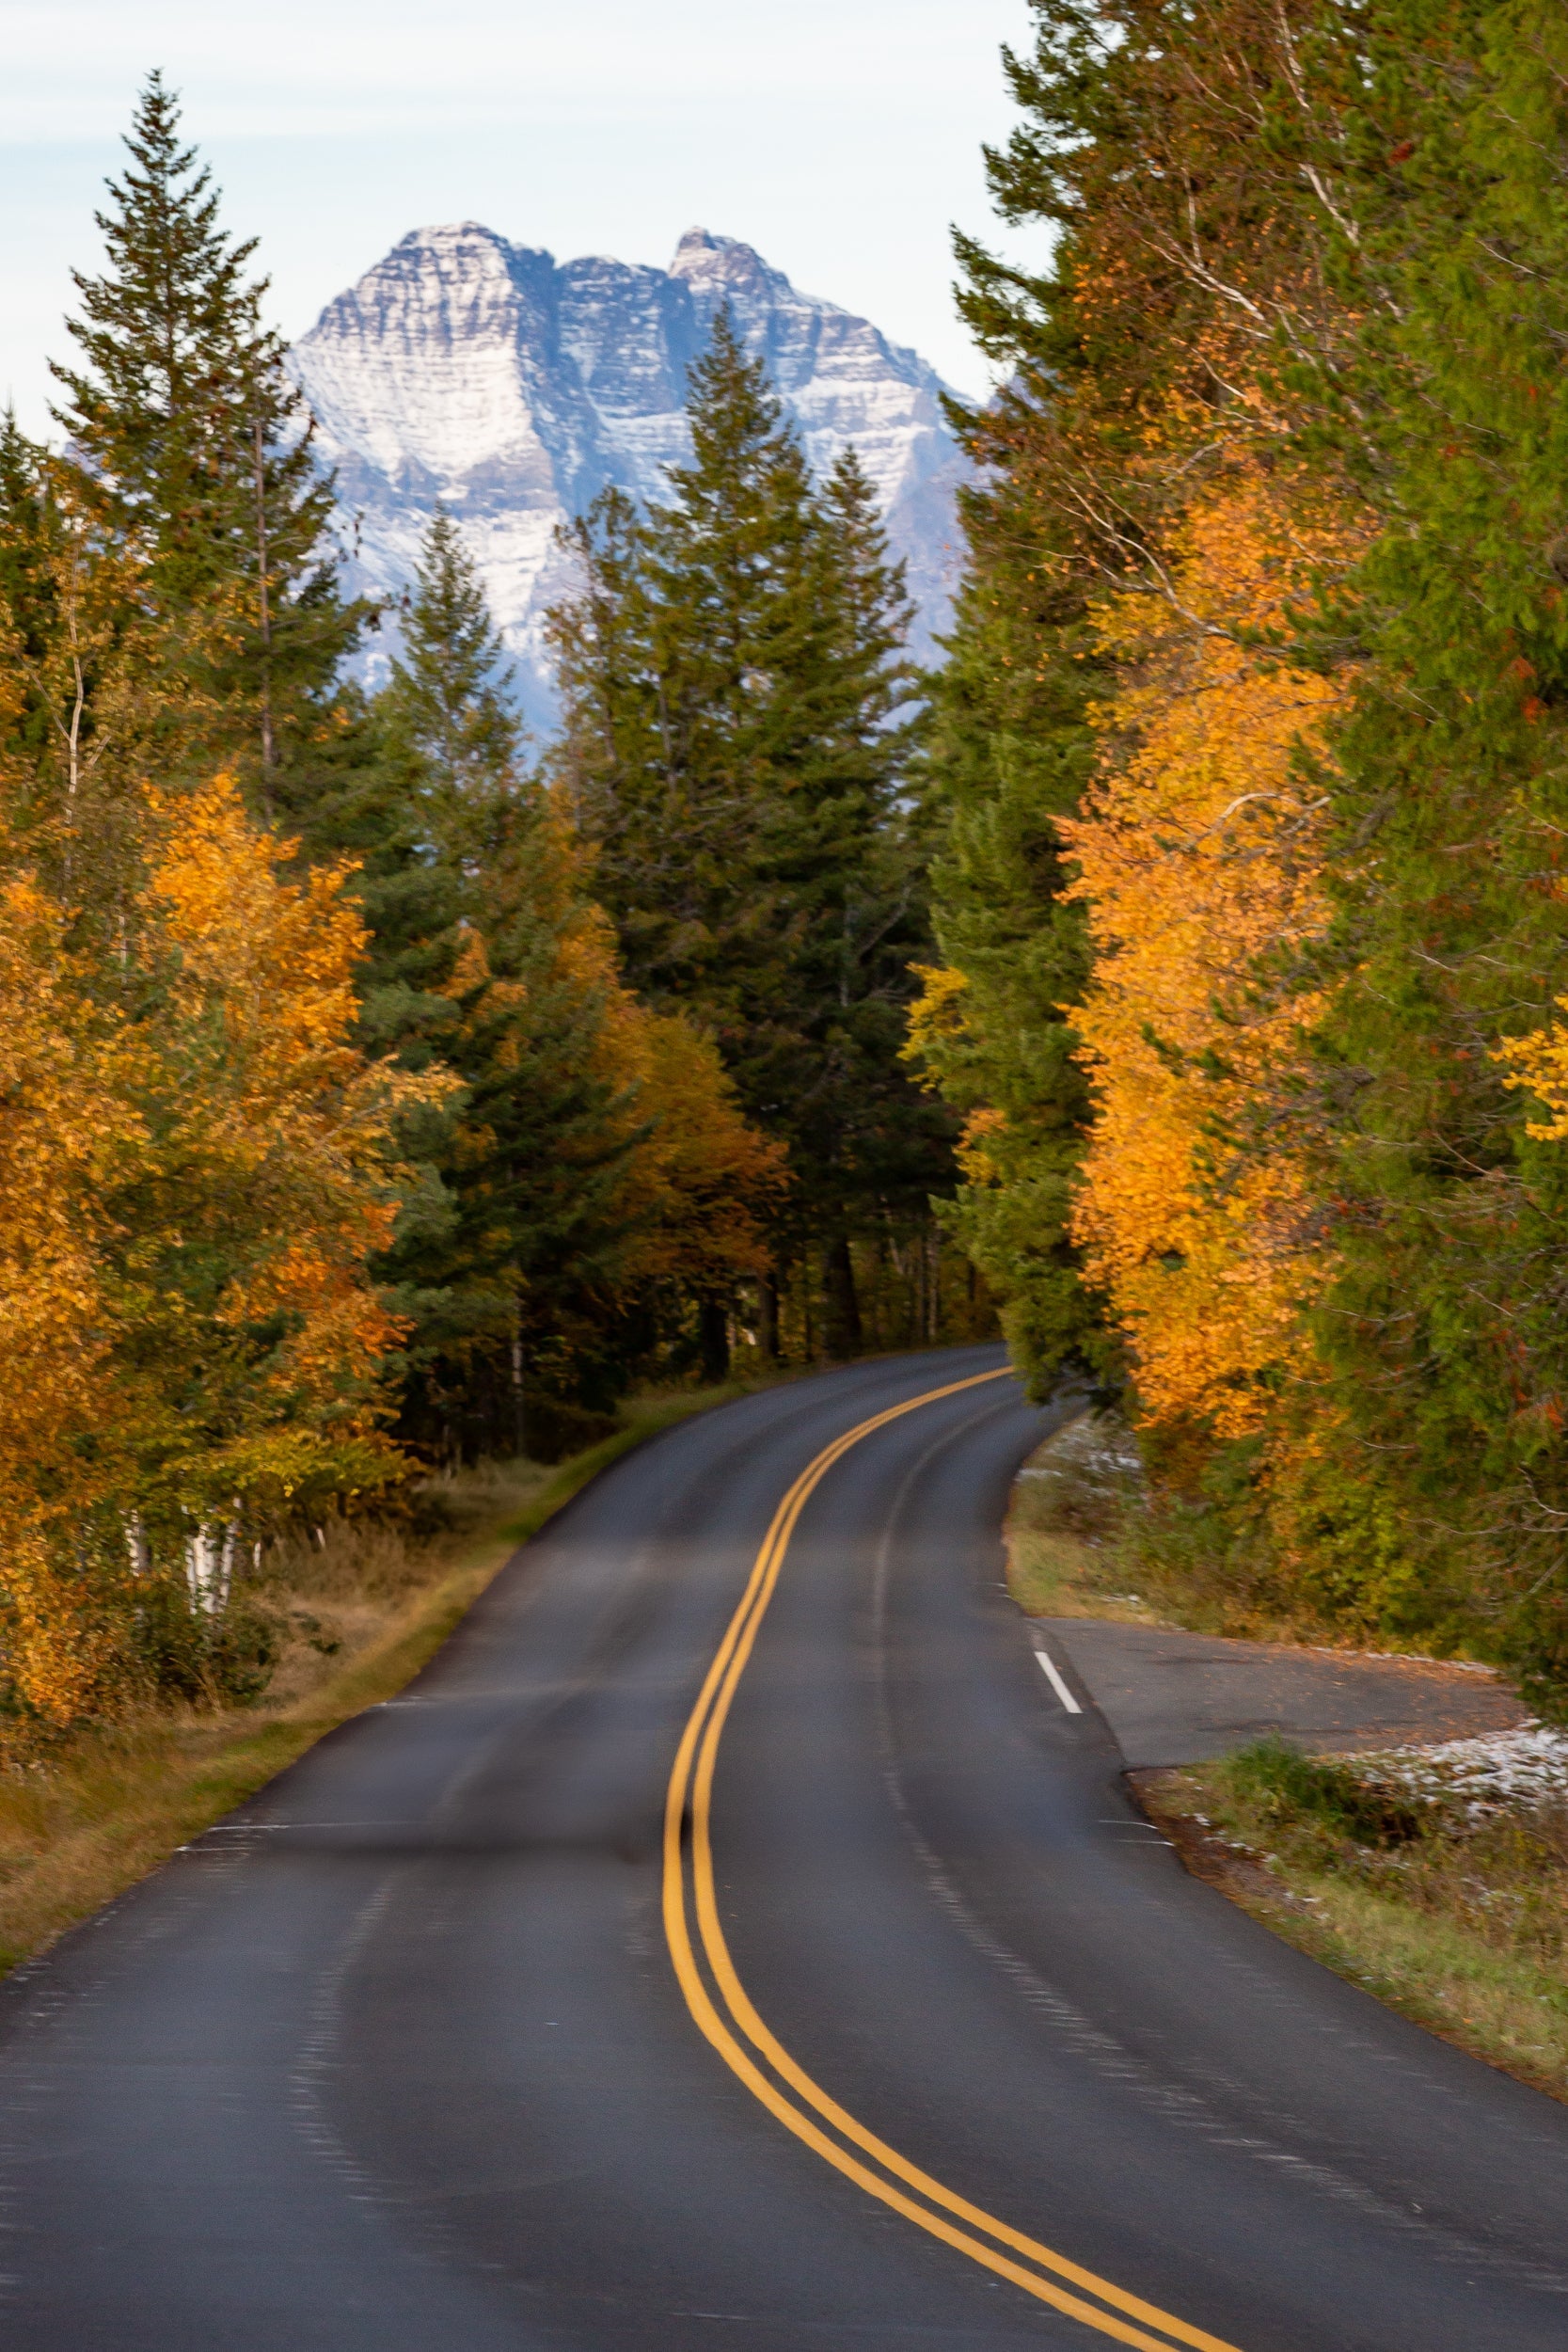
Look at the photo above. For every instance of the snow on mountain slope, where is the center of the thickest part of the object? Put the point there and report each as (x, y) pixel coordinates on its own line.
(513, 388)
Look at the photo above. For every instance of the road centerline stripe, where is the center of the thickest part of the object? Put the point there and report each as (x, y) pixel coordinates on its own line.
(691, 1786)
(1048, 1668)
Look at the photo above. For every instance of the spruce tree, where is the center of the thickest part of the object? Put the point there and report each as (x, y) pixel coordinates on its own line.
(468, 893)
(1007, 754)
(1163, 152)
(1442, 1498)
(445, 706)
(195, 445)
(734, 749)
(28, 604)
(680, 670)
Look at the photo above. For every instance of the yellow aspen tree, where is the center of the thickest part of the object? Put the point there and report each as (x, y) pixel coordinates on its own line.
(700, 1178)
(1195, 854)
(696, 1179)
(253, 1334)
(68, 1138)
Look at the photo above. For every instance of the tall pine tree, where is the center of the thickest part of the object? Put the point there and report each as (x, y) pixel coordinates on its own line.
(592, 1187)
(195, 448)
(734, 749)
(468, 892)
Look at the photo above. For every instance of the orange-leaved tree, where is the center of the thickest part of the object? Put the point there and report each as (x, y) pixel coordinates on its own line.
(197, 1165)
(251, 1334)
(69, 1137)
(1196, 854)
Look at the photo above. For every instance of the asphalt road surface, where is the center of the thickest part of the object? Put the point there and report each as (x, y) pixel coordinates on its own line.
(1173, 1697)
(735, 1940)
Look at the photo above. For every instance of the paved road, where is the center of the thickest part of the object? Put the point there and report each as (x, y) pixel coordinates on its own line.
(1174, 1698)
(398, 2057)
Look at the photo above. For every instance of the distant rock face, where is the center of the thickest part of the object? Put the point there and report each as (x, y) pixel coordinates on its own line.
(512, 389)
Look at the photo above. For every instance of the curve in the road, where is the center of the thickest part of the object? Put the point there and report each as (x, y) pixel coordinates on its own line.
(689, 1811)
(395, 2060)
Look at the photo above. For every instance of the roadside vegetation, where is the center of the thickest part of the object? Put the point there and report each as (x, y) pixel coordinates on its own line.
(1066, 1554)
(385, 1093)
(336, 1617)
(1248, 786)
(1092, 1533)
(1437, 1879)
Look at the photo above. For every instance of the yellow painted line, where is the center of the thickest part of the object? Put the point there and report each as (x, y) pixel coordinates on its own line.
(692, 1776)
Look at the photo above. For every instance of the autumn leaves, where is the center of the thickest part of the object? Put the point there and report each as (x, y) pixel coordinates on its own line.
(332, 1137)
(196, 1167)
(1249, 762)
(1197, 856)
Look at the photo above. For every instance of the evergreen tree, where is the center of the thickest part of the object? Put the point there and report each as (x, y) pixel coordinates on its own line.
(560, 1237)
(195, 447)
(415, 789)
(445, 709)
(1443, 1495)
(93, 689)
(24, 542)
(1007, 755)
(1166, 155)
(734, 750)
(467, 895)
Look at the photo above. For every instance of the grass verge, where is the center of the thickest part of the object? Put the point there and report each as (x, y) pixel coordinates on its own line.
(1452, 1911)
(1067, 1509)
(1449, 1905)
(359, 1611)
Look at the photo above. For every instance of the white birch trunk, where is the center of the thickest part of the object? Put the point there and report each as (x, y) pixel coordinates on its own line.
(201, 1568)
(136, 1545)
(210, 1565)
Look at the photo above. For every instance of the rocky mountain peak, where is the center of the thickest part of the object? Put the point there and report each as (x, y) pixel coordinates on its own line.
(513, 388)
(721, 267)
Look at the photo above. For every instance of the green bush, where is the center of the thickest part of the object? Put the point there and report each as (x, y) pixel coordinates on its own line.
(1319, 1796)
(184, 1654)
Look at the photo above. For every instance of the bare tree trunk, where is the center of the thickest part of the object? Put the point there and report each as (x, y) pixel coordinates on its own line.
(519, 1393)
(770, 1302)
(269, 749)
(210, 1565)
(843, 1335)
(713, 1338)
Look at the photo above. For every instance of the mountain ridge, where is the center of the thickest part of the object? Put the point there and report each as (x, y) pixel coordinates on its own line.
(512, 388)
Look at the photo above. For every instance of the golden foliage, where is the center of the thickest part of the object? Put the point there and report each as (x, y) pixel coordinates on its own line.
(273, 1169)
(193, 1175)
(935, 1016)
(1539, 1063)
(695, 1177)
(66, 1134)
(1196, 853)
(700, 1176)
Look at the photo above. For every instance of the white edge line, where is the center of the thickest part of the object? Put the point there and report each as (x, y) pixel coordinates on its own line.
(1048, 1669)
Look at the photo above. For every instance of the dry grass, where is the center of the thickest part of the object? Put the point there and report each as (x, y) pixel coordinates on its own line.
(1064, 1559)
(1459, 1923)
(357, 1615)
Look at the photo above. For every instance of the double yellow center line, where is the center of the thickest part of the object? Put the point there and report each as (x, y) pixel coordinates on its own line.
(718, 2000)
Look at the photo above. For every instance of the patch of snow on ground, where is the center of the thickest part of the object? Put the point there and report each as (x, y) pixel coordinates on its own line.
(1528, 1766)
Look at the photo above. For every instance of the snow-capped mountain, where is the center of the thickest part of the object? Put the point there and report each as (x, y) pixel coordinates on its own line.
(513, 388)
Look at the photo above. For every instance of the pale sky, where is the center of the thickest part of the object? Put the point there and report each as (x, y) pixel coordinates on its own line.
(841, 137)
